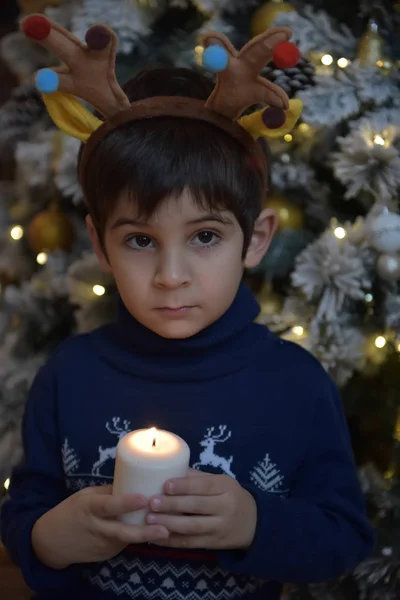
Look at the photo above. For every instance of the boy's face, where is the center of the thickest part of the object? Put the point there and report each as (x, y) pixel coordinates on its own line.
(178, 272)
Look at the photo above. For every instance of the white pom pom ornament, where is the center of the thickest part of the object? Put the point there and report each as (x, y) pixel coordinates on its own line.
(384, 232)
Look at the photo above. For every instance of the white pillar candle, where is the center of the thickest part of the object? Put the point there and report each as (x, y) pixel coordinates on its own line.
(145, 460)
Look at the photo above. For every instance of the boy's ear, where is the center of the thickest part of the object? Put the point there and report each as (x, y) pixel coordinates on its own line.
(97, 247)
(264, 230)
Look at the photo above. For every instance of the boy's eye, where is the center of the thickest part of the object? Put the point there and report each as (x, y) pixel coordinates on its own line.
(139, 242)
(206, 238)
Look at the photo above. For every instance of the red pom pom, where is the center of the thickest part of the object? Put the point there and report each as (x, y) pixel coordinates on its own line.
(286, 55)
(36, 27)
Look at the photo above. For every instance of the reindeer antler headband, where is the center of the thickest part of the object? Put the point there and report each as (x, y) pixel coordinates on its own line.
(88, 73)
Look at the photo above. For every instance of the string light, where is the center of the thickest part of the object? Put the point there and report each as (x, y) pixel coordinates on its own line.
(42, 258)
(379, 141)
(298, 330)
(342, 63)
(369, 297)
(198, 51)
(7, 484)
(380, 342)
(327, 60)
(304, 127)
(16, 232)
(288, 137)
(99, 290)
(340, 233)
(398, 347)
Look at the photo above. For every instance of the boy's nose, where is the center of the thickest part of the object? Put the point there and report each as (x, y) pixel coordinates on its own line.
(172, 271)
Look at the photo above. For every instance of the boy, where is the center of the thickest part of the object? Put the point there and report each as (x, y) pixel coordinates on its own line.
(175, 215)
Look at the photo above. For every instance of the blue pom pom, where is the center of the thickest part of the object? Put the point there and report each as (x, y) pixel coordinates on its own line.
(215, 58)
(46, 81)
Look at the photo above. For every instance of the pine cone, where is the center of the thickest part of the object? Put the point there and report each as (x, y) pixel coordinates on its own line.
(23, 110)
(292, 80)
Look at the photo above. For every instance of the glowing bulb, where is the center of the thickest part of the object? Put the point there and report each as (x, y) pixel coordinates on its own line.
(340, 233)
(99, 290)
(379, 141)
(369, 298)
(380, 342)
(298, 330)
(198, 52)
(342, 63)
(288, 137)
(398, 347)
(7, 484)
(16, 232)
(304, 127)
(41, 258)
(327, 60)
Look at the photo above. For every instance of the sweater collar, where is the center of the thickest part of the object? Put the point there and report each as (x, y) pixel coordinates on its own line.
(242, 312)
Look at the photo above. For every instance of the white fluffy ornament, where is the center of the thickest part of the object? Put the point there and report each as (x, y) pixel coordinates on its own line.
(384, 232)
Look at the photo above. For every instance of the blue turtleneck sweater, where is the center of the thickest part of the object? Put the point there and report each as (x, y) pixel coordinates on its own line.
(248, 404)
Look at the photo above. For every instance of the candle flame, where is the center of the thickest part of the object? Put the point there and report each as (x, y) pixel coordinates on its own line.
(153, 436)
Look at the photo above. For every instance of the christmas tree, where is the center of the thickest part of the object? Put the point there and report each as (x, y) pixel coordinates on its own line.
(330, 281)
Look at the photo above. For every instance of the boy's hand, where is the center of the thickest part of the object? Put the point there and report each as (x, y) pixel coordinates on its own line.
(83, 528)
(205, 511)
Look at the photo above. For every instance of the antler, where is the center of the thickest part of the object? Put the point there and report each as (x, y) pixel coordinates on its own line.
(88, 71)
(240, 84)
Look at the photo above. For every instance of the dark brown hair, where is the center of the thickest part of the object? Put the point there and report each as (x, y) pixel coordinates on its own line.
(155, 159)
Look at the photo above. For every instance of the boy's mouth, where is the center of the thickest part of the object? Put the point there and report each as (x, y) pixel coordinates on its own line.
(176, 311)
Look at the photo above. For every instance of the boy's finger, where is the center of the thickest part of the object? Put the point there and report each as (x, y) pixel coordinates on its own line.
(196, 473)
(206, 485)
(135, 534)
(99, 490)
(108, 507)
(186, 525)
(199, 542)
(190, 505)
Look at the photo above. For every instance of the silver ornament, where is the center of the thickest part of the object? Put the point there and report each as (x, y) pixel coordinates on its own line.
(389, 267)
(384, 232)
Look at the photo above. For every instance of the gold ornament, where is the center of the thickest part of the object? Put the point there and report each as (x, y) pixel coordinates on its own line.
(290, 216)
(266, 15)
(50, 230)
(372, 47)
(36, 6)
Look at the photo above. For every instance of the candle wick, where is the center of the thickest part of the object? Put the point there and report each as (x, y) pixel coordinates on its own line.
(154, 442)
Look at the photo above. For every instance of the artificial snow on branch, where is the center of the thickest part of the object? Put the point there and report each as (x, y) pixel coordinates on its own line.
(318, 31)
(126, 18)
(24, 57)
(291, 174)
(328, 272)
(392, 311)
(373, 87)
(65, 177)
(23, 112)
(331, 101)
(340, 350)
(34, 158)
